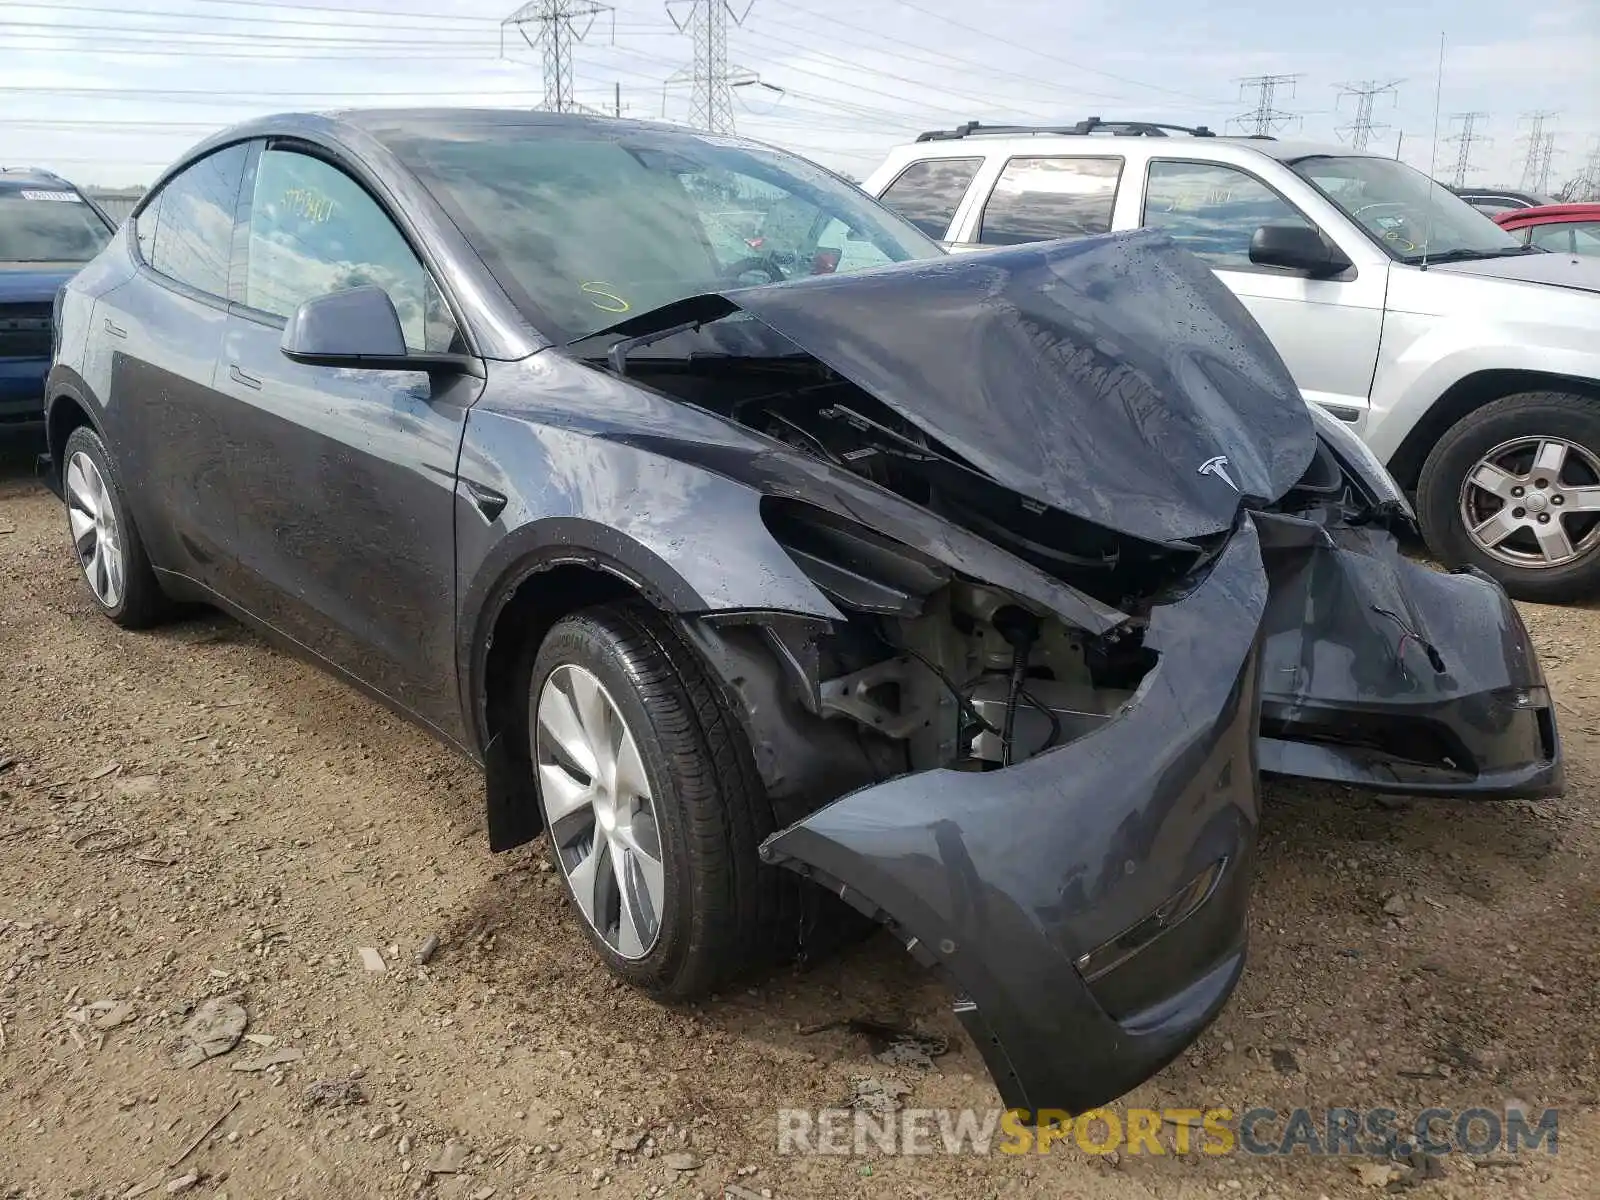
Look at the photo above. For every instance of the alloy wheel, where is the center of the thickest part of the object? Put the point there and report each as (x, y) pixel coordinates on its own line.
(95, 534)
(599, 810)
(1533, 502)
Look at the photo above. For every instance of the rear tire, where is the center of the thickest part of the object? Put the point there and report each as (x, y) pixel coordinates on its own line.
(104, 538)
(710, 907)
(1486, 474)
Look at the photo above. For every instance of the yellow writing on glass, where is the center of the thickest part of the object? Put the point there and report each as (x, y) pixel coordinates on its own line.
(308, 205)
(602, 297)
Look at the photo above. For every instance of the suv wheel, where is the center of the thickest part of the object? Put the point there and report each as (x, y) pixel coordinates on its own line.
(652, 805)
(1514, 488)
(104, 538)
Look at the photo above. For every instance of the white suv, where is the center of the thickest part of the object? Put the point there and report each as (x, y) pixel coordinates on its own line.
(1469, 362)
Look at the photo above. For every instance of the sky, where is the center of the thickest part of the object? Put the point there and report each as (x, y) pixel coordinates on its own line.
(109, 91)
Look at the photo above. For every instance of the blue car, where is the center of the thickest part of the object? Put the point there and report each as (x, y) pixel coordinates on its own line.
(48, 230)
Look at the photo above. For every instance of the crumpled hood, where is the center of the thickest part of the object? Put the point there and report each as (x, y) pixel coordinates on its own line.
(1559, 270)
(1113, 378)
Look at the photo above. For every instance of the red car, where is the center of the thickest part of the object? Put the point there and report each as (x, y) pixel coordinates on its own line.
(1564, 228)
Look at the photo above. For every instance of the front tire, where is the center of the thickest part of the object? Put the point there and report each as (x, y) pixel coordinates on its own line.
(1514, 488)
(104, 537)
(652, 805)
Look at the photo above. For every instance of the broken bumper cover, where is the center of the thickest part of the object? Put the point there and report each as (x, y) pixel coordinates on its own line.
(1089, 905)
(1381, 673)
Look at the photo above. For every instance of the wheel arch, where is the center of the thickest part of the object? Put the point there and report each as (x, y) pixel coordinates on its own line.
(1467, 395)
(538, 576)
(69, 405)
(752, 654)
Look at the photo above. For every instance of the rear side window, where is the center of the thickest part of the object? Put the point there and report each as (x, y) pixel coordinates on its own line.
(927, 193)
(40, 224)
(1037, 199)
(187, 232)
(315, 230)
(1211, 210)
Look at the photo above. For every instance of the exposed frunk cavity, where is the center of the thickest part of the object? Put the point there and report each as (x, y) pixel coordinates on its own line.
(933, 668)
(957, 673)
(790, 396)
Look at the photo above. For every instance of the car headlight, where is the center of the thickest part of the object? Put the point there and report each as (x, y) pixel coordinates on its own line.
(1357, 457)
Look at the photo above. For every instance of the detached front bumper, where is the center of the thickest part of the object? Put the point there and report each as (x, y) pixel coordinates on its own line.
(1088, 906)
(1380, 673)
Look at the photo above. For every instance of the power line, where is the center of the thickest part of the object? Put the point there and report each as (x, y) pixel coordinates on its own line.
(231, 100)
(1264, 120)
(1055, 59)
(858, 72)
(1363, 127)
(432, 21)
(1464, 141)
(558, 32)
(333, 54)
(1541, 148)
(941, 59)
(205, 37)
(280, 6)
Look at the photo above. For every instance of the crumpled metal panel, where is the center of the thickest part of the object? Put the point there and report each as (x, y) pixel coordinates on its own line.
(1097, 376)
(1383, 673)
(1004, 878)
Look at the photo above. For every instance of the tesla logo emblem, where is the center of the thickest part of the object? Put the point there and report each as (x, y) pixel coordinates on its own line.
(1218, 466)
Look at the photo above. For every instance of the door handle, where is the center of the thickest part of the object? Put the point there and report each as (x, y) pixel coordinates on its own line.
(238, 376)
(114, 329)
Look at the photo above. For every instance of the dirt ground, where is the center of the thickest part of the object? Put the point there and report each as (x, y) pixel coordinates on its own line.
(189, 814)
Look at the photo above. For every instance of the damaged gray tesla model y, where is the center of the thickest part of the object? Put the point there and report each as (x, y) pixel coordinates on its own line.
(760, 551)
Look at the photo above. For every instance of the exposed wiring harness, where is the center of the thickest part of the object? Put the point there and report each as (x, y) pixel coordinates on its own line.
(977, 718)
(1435, 660)
(967, 708)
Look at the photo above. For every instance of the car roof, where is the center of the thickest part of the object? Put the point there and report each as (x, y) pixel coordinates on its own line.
(1550, 214)
(33, 177)
(1505, 193)
(381, 122)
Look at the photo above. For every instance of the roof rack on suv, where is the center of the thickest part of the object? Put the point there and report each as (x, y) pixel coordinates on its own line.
(1091, 125)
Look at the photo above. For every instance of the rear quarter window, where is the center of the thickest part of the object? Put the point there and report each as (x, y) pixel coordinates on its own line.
(1039, 199)
(927, 193)
(193, 218)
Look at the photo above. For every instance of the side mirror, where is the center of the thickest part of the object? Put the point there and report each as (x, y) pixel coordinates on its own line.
(358, 328)
(1299, 248)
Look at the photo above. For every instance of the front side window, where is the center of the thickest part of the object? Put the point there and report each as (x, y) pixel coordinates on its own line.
(1037, 199)
(1404, 211)
(192, 216)
(315, 230)
(44, 224)
(584, 228)
(927, 193)
(1212, 210)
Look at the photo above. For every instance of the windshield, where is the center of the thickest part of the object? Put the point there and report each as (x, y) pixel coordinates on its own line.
(1398, 206)
(46, 224)
(586, 227)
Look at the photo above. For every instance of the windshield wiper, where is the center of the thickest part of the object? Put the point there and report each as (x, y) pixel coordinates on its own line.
(618, 354)
(1465, 255)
